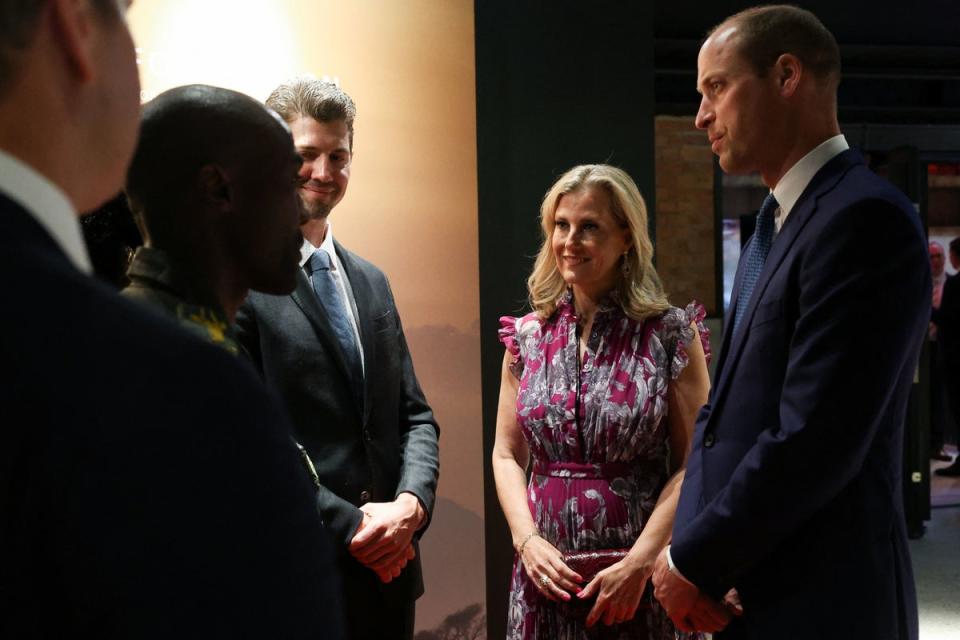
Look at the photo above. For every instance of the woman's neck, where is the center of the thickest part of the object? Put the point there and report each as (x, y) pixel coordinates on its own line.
(585, 303)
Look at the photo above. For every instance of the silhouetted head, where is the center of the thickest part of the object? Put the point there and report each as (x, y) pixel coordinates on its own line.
(215, 175)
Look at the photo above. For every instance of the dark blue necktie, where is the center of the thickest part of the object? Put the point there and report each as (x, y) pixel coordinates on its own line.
(330, 297)
(757, 255)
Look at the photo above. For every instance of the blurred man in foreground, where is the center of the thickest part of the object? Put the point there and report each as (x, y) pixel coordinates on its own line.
(148, 484)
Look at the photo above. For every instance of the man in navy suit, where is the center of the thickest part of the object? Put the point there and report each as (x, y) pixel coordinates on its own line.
(792, 495)
(149, 487)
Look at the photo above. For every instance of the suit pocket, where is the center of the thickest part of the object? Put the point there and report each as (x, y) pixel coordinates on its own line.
(768, 331)
(767, 312)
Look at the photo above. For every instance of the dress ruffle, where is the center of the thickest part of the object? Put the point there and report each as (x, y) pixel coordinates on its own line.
(675, 325)
(508, 336)
(676, 328)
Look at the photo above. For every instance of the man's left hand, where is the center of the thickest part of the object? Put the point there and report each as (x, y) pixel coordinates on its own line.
(689, 609)
(387, 531)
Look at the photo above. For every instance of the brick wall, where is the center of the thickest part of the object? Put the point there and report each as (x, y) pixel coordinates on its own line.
(684, 215)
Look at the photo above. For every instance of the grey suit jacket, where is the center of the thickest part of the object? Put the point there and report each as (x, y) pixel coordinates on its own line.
(367, 449)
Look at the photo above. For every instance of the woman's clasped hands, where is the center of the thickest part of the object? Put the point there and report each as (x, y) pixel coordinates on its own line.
(617, 589)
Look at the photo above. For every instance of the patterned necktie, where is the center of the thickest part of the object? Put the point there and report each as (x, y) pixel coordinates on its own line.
(328, 292)
(759, 248)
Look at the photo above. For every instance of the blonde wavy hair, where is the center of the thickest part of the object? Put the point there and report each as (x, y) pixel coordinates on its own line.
(639, 292)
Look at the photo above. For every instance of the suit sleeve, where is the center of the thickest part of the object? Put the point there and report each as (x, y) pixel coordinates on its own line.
(419, 432)
(216, 528)
(863, 289)
(340, 517)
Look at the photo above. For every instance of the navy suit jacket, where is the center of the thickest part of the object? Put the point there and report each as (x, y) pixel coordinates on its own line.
(366, 447)
(793, 487)
(148, 484)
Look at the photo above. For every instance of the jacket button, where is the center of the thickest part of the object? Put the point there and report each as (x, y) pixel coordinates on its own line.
(364, 496)
(708, 440)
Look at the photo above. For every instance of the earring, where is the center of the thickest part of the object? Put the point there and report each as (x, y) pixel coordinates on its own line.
(625, 264)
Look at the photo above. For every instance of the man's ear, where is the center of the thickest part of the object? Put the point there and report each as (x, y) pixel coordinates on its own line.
(213, 187)
(71, 24)
(787, 71)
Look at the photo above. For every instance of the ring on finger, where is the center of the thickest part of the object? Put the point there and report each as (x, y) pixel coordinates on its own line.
(544, 581)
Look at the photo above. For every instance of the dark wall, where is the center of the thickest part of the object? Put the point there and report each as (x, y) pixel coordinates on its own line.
(901, 60)
(885, 23)
(558, 84)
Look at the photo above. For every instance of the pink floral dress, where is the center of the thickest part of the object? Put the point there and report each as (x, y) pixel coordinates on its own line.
(594, 487)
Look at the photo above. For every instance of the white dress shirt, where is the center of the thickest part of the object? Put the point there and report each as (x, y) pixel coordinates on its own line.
(48, 205)
(790, 187)
(307, 250)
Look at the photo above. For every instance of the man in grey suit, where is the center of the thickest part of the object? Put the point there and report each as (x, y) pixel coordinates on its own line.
(335, 351)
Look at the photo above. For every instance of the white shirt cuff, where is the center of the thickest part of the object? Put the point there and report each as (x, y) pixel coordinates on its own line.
(673, 567)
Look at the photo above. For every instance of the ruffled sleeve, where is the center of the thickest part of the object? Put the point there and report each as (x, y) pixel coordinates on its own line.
(508, 336)
(677, 334)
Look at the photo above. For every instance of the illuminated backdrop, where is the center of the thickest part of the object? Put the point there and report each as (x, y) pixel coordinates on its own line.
(411, 207)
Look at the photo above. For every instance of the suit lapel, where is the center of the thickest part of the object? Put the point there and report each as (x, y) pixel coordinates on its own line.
(823, 182)
(306, 298)
(361, 298)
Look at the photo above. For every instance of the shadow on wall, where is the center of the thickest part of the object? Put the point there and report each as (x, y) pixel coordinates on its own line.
(453, 572)
(447, 361)
(467, 624)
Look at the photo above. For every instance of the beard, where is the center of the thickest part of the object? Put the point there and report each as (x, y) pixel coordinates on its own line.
(314, 208)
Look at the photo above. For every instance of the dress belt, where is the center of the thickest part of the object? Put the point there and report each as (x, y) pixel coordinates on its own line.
(600, 470)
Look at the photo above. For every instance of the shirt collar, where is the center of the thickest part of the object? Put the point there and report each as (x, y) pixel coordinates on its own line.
(48, 205)
(307, 249)
(791, 186)
(155, 269)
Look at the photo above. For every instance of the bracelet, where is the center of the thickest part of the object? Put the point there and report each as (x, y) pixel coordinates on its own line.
(525, 540)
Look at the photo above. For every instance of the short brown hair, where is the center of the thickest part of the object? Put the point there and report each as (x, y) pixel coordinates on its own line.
(765, 33)
(321, 100)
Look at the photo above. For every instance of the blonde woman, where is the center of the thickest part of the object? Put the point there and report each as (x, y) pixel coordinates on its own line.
(600, 387)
